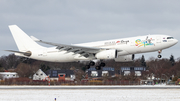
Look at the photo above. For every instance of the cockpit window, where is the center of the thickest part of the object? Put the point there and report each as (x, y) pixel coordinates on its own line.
(170, 38)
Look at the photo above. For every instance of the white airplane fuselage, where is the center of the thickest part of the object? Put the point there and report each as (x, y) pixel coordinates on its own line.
(133, 45)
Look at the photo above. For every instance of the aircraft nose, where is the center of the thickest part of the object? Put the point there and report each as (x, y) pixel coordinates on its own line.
(176, 41)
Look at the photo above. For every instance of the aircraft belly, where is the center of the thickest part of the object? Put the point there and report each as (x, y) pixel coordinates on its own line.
(55, 57)
(63, 57)
(134, 49)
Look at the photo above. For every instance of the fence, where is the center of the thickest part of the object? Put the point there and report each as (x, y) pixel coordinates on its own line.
(69, 83)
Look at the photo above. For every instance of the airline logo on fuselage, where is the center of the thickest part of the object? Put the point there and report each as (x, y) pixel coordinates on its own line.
(116, 42)
(145, 43)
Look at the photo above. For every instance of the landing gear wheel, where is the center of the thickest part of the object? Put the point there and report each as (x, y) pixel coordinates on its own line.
(159, 52)
(102, 64)
(98, 67)
(159, 56)
(92, 63)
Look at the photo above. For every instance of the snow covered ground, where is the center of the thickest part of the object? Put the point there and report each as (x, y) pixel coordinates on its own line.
(90, 95)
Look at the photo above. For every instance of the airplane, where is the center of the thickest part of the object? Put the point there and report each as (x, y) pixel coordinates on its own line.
(121, 50)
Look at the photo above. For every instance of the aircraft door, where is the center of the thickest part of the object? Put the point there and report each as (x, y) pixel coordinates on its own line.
(132, 42)
(44, 53)
(158, 39)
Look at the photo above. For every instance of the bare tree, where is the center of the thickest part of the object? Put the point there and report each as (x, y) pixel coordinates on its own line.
(26, 70)
(10, 61)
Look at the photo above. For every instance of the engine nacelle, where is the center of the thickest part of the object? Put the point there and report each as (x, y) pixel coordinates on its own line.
(107, 54)
(125, 58)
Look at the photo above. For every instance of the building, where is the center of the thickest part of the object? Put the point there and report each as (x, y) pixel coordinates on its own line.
(137, 71)
(61, 75)
(105, 71)
(7, 75)
(39, 75)
(54, 75)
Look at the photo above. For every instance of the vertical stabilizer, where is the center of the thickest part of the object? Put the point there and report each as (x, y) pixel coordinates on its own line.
(23, 41)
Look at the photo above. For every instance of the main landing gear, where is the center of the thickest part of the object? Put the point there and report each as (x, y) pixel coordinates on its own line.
(159, 52)
(98, 67)
(102, 64)
(90, 64)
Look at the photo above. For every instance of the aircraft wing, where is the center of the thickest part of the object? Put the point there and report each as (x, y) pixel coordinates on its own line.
(83, 51)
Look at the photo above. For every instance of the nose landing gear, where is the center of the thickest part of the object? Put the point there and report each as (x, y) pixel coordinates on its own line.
(159, 52)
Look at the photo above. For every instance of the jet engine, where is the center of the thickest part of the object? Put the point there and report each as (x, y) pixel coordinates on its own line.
(125, 58)
(107, 54)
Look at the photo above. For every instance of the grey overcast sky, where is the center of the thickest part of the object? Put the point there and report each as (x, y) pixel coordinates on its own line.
(79, 21)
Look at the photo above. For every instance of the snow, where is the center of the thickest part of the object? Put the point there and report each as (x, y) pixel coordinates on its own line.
(89, 94)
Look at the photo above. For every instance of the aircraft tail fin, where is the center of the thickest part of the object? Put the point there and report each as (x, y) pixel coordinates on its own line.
(23, 41)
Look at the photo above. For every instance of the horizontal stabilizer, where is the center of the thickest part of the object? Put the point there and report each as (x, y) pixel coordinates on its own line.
(28, 53)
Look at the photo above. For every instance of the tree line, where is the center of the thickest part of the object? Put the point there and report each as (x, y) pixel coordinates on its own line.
(26, 67)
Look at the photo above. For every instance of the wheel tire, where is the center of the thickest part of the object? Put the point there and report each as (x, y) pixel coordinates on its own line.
(98, 67)
(102, 64)
(92, 63)
(159, 56)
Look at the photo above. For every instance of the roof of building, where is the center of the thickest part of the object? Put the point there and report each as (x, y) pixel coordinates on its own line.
(102, 69)
(8, 73)
(54, 73)
(110, 70)
(132, 66)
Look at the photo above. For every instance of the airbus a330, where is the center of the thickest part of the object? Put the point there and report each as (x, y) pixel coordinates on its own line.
(121, 50)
